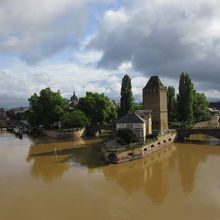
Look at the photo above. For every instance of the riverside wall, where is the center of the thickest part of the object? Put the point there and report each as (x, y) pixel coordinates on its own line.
(147, 148)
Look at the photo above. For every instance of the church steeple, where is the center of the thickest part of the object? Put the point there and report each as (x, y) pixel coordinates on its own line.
(73, 100)
(74, 97)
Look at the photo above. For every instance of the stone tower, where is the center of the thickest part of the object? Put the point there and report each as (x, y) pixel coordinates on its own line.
(155, 98)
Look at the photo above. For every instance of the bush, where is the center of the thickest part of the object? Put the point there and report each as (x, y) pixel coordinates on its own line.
(126, 136)
(152, 135)
(74, 119)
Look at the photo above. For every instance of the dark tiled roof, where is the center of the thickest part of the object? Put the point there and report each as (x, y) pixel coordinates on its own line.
(154, 83)
(215, 105)
(131, 118)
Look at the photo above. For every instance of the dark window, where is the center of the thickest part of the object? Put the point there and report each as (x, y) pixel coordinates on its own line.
(164, 141)
(145, 149)
(158, 143)
(130, 154)
(152, 146)
(169, 139)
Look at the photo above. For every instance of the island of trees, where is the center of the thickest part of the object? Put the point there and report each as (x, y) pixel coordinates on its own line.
(94, 110)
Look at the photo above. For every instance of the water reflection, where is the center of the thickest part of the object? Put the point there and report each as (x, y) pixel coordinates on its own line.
(48, 168)
(52, 160)
(189, 159)
(150, 174)
(203, 140)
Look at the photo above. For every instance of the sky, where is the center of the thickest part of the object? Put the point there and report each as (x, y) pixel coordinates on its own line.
(89, 45)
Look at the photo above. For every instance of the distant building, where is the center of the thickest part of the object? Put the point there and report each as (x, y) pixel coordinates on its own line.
(215, 105)
(73, 101)
(2, 114)
(20, 110)
(155, 99)
(134, 122)
(215, 113)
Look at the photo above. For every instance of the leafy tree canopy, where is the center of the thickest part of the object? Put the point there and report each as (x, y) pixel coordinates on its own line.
(46, 108)
(192, 106)
(185, 98)
(200, 107)
(126, 102)
(137, 106)
(171, 104)
(74, 119)
(98, 109)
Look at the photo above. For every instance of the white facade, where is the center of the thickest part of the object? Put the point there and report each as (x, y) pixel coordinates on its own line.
(146, 115)
(138, 128)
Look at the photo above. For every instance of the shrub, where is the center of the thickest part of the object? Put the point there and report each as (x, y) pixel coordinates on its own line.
(153, 135)
(126, 135)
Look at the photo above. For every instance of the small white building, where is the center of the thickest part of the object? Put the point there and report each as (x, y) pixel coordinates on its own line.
(146, 115)
(134, 122)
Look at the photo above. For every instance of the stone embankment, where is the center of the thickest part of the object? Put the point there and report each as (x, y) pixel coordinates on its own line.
(62, 134)
(112, 152)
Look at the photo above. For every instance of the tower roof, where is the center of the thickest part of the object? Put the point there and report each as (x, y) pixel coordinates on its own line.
(74, 97)
(154, 83)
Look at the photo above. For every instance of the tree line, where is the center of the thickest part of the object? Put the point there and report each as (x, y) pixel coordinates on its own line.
(188, 105)
(49, 107)
(94, 109)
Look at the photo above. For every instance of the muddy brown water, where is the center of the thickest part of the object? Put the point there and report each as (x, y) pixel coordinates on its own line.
(44, 179)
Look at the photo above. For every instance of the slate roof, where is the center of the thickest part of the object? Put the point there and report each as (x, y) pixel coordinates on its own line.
(131, 118)
(154, 83)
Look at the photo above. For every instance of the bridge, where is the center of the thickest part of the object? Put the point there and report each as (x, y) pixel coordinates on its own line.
(186, 132)
(8, 124)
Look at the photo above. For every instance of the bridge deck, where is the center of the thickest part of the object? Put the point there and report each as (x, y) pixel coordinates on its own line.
(186, 132)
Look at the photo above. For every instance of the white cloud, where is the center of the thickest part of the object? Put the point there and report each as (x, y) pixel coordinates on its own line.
(140, 38)
(164, 37)
(37, 29)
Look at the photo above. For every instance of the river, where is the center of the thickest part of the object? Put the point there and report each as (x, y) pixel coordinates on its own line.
(44, 179)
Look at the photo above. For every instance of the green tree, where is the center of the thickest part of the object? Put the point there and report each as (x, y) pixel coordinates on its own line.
(137, 106)
(98, 109)
(185, 98)
(171, 104)
(74, 119)
(200, 107)
(46, 108)
(126, 102)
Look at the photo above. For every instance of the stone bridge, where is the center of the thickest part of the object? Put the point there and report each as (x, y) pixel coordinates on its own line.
(186, 132)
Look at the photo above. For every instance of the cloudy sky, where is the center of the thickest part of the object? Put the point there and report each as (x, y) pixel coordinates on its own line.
(88, 45)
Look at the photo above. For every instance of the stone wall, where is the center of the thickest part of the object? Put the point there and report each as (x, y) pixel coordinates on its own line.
(73, 135)
(156, 100)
